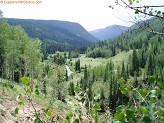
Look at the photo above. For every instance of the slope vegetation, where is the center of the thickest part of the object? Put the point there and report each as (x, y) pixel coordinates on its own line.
(60, 31)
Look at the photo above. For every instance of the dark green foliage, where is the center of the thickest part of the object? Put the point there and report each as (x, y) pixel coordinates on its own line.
(77, 65)
(73, 54)
(102, 100)
(85, 73)
(66, 76)
(150, 65)
(71, 89)
(45, 88)
(89, 92)
(59, 59)
(60, 31)
(135, 63)
(51, 46)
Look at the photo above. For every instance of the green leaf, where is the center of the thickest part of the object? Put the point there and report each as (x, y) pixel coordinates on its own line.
(144, 110)
(120, 81)
(76, 121)
(37, 92)
(136, 11)
(119, 109)
(118, 116)
(97, 107)
(130, 2)
(146, 119)
(20, 103)
(151, 80)
(29, 91)
(93, 113)
(150, 12)
(66, 121)
(77, 89)
(137, 1)
(124, 91)
(161, 84)
(37, 120)
(130, 113)
(159, 12)
(25, 80)
(16, 110)
(36, 86)
(49, 113)
(142, 92)
(69, 115)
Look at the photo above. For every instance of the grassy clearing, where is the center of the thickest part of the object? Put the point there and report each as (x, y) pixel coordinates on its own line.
(122, 56)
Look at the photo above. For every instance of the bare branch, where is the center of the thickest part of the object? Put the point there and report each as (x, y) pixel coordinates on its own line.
(138, 7)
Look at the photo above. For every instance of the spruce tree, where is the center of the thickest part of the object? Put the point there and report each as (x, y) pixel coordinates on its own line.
(66, 75)
(135, 63)
(85, 73)
(150, 65)
(45, 88)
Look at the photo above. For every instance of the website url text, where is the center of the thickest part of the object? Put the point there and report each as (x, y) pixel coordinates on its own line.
(20, 2)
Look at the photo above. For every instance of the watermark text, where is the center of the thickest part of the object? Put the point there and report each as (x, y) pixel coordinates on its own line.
(20, 1)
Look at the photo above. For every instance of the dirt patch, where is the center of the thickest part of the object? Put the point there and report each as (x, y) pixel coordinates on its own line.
(26, 112)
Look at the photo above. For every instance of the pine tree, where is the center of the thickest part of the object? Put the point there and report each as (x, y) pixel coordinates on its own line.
(135, 63)
(77, 65)
(150, 65)
(66, 75)
(45, 88)
(90, 93)
(85, 73)
(71, 89)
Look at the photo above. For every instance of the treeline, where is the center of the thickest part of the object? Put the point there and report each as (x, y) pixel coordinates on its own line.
(132, 39)
(51, 47)
(19, 54)
(147, 49)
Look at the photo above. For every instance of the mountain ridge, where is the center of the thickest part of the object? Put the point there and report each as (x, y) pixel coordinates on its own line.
(61, 31)
(109, 32)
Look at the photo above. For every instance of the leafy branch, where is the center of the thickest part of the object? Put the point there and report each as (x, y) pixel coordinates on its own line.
(143, 10)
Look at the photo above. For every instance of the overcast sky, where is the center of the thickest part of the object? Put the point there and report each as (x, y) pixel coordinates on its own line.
(91, 14)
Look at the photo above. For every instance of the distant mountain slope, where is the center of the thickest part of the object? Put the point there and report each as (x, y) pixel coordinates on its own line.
(61, 31)
(109, 32)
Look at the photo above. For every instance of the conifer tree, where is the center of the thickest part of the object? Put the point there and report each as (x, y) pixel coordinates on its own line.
(71, 89)
(135, 63)
(85, 73)
(66, 75)
(90, 93)
(150, 65)
(45, 88)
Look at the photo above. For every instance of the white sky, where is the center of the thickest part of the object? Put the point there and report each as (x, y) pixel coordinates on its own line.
(91, 14)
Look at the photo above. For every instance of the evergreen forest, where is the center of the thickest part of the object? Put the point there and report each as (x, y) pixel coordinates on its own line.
(113, 81)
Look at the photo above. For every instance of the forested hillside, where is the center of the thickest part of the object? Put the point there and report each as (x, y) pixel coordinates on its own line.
(149, 47)
(118, 80)
(60, 31)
